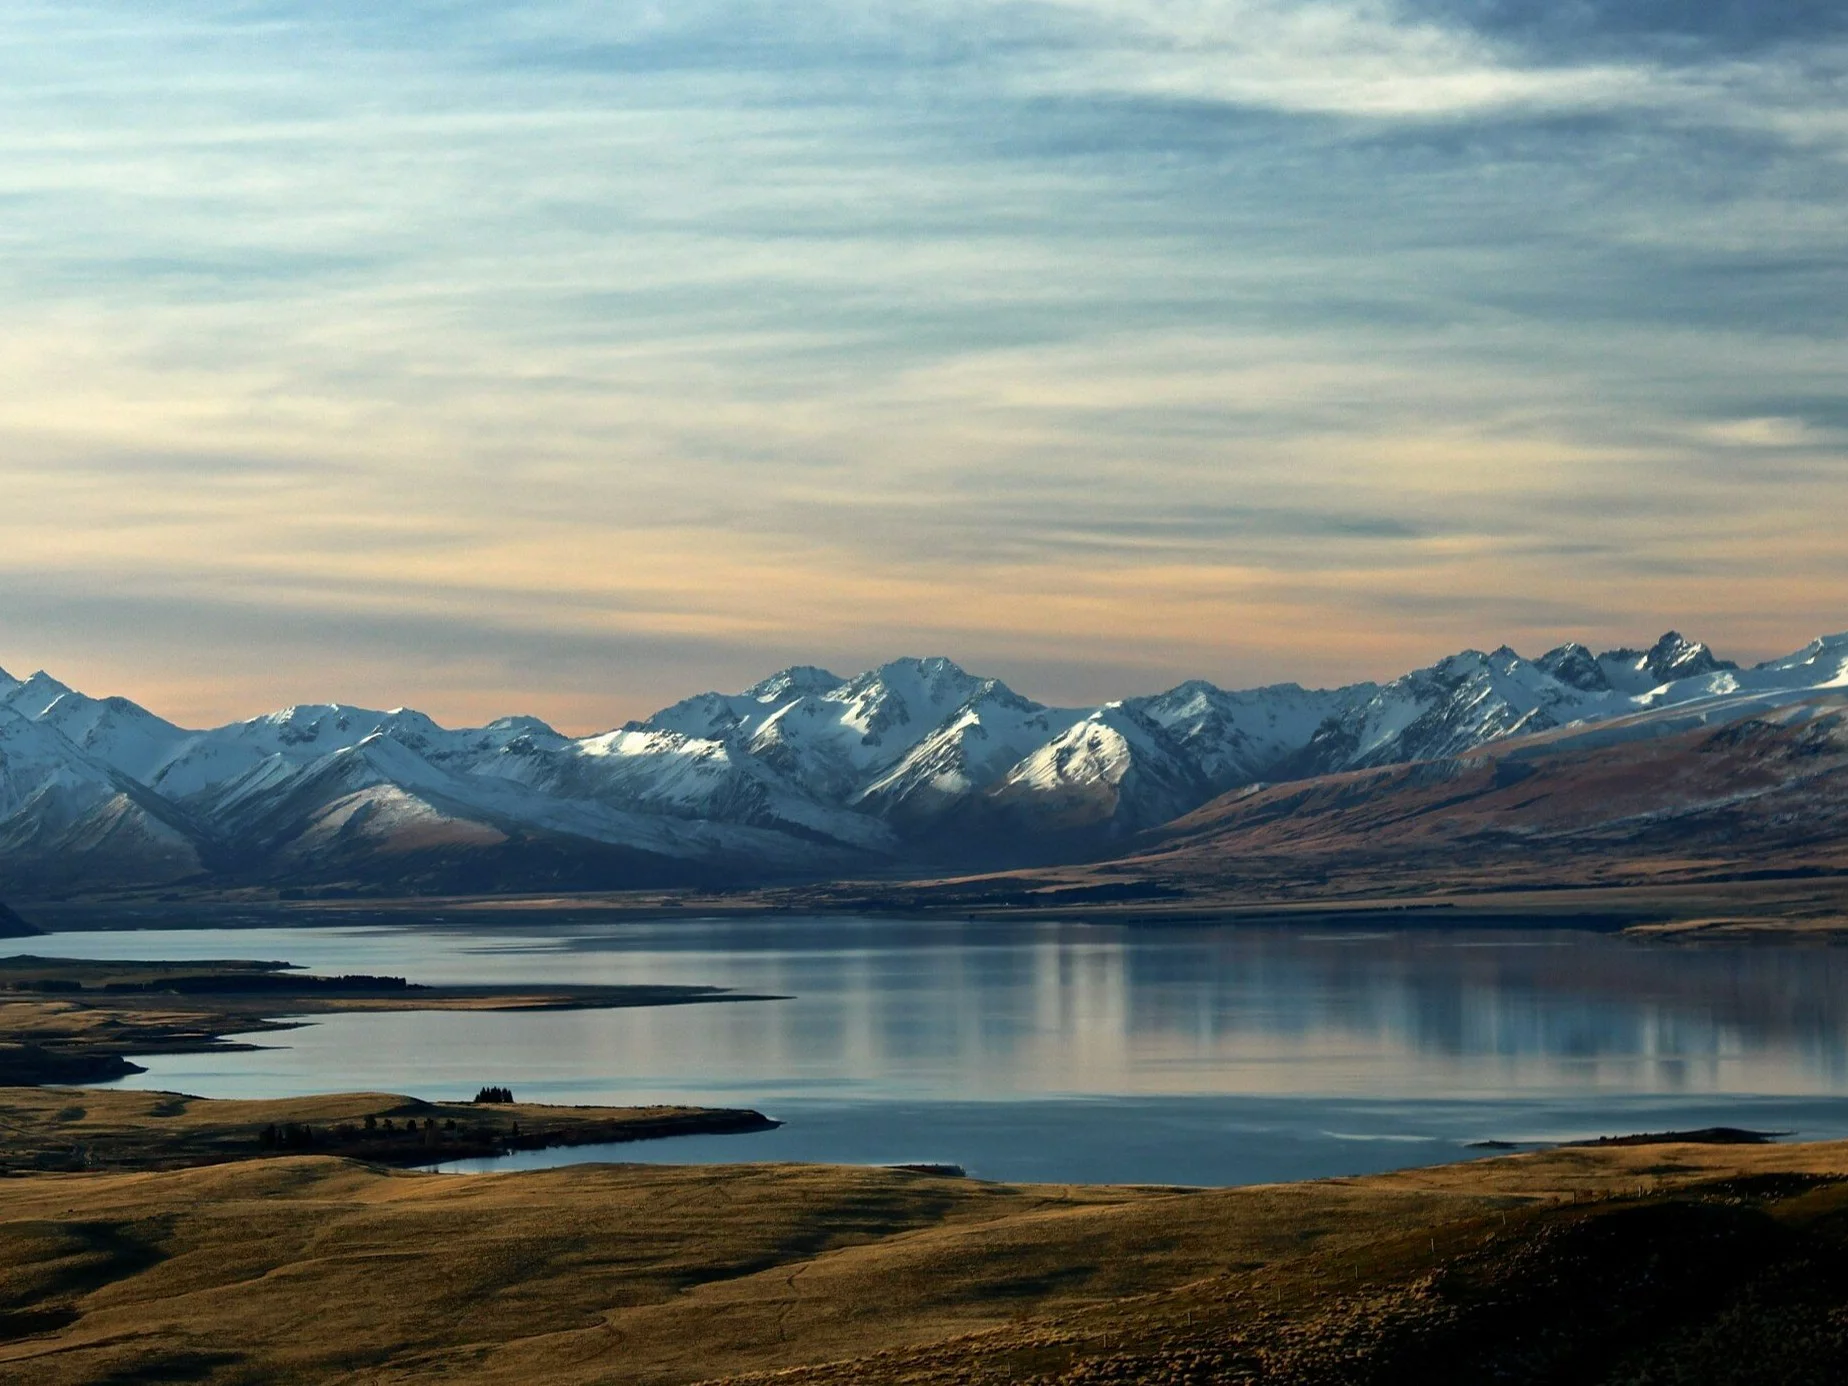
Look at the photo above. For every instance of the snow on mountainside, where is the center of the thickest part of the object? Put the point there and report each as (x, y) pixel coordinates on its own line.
(1116, 770)
(1472, 698)
(1820, 664)
(970, 749)
(74, 818)
(1236, 738)
(832, 737)
(40, 767)
(1459, 703)
(805, 771)
(1695, 802)
(124, 736)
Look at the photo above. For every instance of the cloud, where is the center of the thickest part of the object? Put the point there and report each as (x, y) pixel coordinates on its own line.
(1367, 60)
(1684, 30)
(1201, 336)
(1765, 431)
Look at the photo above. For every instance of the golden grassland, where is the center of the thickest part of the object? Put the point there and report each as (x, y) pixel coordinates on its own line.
(1679, 902)
(106, 1129)
(1658, 1263)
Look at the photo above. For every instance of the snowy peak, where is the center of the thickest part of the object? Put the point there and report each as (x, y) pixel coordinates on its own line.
(121, 734)
(1111, 773)
(802, 771)
(904, 693)
(519, 726)
(1675, 657)
(1470, 699)
(1235, 738)
(797, 681)
(970, 749)
(36, 694)
(707, 715)
(1823, 663)
(1576, 667)
(848, 741)
(1671, 659)
(315, 724)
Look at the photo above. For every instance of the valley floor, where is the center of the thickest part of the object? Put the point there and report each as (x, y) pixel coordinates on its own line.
(1797, 906)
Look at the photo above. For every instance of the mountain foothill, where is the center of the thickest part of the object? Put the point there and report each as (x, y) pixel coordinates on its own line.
(917, 767)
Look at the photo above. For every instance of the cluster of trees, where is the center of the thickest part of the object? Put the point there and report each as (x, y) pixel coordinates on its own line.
(291, 1136)
(288, 1136)
(495, 1095)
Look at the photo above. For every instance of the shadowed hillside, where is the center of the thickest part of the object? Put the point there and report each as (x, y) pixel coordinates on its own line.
(1664, 1263)
(1757, 796)
(12, 926)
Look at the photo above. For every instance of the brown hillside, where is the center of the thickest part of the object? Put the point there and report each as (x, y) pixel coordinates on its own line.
(1754, 796)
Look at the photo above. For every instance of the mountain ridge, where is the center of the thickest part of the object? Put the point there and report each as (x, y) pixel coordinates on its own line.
(915, 763)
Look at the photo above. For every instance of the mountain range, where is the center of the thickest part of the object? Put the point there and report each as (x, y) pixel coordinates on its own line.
(916, 765)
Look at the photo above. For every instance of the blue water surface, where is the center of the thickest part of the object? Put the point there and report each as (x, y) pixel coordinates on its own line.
(1072, 1052)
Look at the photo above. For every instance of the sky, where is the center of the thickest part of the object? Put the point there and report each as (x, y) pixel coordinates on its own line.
(567, 358)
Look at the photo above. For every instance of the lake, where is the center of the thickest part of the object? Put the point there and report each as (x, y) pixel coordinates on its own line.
(1073, 1052)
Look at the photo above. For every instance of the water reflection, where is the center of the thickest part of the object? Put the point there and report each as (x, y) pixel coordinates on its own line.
(1339, 1039)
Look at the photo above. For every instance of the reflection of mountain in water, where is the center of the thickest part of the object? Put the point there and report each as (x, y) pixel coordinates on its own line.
(1559, 999)
(983, 1009)
(1082, 1052)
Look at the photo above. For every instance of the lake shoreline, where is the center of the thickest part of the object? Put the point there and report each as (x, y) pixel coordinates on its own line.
(1037, 1051)
(85, 1021)
(74, 1129)
(1797, 907)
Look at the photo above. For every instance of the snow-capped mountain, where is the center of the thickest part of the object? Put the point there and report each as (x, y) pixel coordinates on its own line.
(915, 761)
(1472, 698)
(1115, 769)
(76, 819)
(1692, 802)
(839, 738)
(122, 735)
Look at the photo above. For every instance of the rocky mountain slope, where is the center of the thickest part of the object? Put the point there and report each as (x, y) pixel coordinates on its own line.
(12, 926)
(1765, 793)
(915, 763)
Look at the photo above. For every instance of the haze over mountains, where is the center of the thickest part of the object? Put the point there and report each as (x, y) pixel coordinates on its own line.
(916, 765)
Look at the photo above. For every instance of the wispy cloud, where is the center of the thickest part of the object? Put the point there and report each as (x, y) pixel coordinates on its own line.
(1209, 334)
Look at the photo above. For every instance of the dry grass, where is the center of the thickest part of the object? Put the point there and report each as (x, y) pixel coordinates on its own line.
(104, 1129)
(315, 1269)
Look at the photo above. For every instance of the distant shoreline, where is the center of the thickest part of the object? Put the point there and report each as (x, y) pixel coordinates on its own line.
(1801, 907)
(85, 1021)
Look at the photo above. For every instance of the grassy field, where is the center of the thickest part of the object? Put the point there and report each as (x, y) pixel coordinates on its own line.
(1653, 1263)
(103, 1129)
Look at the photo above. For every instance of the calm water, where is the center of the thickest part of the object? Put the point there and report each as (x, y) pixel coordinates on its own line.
(1074, 1052)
